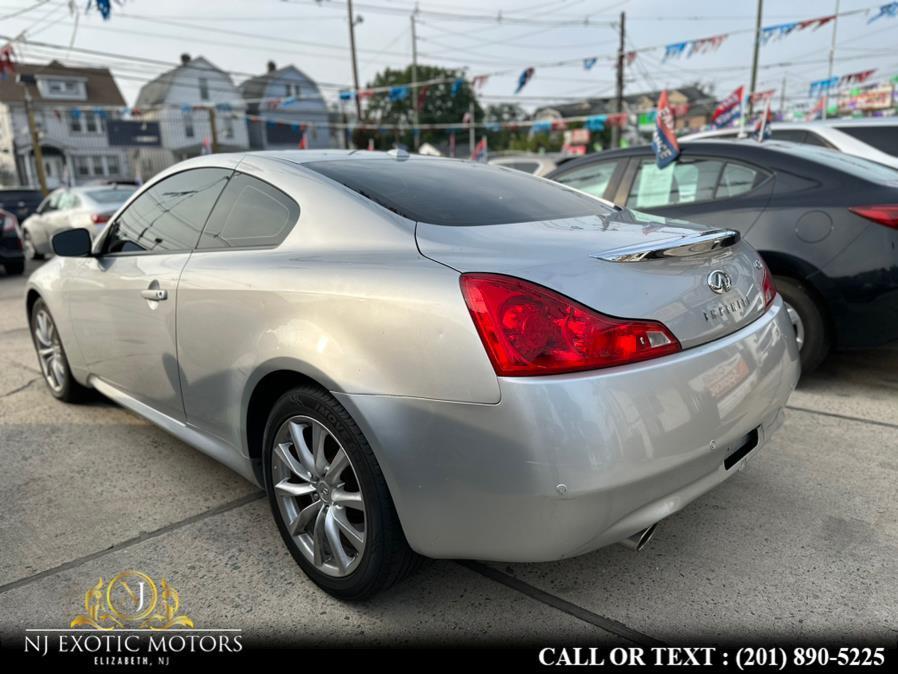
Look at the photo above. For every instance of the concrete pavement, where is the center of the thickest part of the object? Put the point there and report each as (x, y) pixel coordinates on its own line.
(801, 545)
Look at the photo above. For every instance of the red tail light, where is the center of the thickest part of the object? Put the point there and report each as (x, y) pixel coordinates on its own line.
(99, 218)
(530, 330)
(10, 223)
(884, 214)
(768, 287)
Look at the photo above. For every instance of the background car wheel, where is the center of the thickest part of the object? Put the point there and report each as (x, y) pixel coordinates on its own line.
(14, 268)
(329, 497)
(807, 319)
(28, 246)
(52, 358)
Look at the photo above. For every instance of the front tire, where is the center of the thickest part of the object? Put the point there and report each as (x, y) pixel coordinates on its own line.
(808, 321)
(329, 497)
(52, 357)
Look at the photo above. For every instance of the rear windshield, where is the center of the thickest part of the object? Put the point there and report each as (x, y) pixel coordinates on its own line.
(856, 166)
(444, 192)
(111, 196)
(883, 138)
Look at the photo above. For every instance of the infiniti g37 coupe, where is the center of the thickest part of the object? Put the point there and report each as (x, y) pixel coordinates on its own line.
(421, 356)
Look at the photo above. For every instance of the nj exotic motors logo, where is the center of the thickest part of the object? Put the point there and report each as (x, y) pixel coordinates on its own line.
(132, 620)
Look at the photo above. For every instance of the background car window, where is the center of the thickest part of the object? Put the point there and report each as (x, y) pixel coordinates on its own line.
(678, 183)
(883, 138)
(525, 166)
(68, 200)
(250, 213)
(170, 215)
(51, 203)
(790, 135)
(736, 179)
(855, 166)
(816, 139)
(592, 179)
(111, 196)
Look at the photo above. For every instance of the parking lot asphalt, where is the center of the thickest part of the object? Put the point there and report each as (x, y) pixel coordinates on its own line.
(802, 545)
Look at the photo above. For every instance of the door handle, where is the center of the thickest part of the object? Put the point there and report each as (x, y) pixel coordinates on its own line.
(154, 294)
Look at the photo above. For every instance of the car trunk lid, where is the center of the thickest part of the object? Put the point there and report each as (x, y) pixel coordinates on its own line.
(625, 264)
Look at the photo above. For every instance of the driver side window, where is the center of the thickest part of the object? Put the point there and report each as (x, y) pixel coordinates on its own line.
(169, 216)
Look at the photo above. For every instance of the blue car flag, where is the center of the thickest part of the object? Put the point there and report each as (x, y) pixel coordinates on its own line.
(664, 142)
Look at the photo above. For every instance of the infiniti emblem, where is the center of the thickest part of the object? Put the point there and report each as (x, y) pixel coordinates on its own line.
(719, 281)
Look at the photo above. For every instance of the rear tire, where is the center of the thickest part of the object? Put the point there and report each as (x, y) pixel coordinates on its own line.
(811, 322)
(385, 557)
(14, 268)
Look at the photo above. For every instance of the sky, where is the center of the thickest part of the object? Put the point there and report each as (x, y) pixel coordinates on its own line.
(241, 36)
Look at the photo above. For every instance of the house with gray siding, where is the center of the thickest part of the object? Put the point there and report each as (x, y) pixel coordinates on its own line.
(286, 99)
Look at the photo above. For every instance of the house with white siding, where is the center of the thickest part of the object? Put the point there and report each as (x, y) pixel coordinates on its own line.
(71, 107)
(184, 101)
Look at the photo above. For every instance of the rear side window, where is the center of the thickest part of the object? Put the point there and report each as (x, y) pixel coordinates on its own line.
(592, 179)
(116, 196)
(682, 182)
(737, 179)
(883, 138)
(846, 163)
(169, 216)
(455, 193)
(250, 213)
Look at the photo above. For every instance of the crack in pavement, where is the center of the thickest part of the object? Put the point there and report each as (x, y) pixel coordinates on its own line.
(19, 389)
(846, 417)
(140, 538)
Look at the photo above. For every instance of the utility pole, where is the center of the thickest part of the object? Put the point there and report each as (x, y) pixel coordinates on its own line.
(619, 94)
(35, 143)
(416, 134)
(213, 134)
(832, 57)
(471, 131)
(783, 99)
(754, 59)
(355, 65)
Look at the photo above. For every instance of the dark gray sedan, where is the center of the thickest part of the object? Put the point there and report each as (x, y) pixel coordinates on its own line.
(826, 224)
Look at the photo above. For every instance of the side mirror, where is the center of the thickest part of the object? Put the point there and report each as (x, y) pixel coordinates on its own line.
(72, 243)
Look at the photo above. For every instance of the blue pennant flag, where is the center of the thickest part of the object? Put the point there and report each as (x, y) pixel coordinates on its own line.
(588, 63)
(456, 86)
(346, 95)
(398, 93)
(523, 78)
(596, 122)
(886, 11)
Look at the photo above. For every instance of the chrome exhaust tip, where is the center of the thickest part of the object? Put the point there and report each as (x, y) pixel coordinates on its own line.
(640, 539)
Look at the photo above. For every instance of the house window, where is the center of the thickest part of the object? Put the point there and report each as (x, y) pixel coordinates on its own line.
(204, 89)
(62, 88)
(112, 165)
(74, 124)
(82, 166)
(229, 126)
(187, 116)
(96, 164)
(292, 89)
(90, 122)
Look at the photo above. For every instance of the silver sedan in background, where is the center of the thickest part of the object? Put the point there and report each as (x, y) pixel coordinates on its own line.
(89, 206)
(423, 356)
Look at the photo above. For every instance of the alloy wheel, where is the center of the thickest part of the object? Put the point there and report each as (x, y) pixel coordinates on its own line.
(797, 324)
(319, 496)
(49, 350)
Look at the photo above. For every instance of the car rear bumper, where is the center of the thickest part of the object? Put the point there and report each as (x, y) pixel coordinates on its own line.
(565, 464)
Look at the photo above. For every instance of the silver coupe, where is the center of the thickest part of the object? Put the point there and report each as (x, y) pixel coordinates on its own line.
(421, 356)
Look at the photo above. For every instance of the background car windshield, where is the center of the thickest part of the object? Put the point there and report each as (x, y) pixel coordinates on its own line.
(441, 192)
(117, 196)
(884, 138)
(856, 166)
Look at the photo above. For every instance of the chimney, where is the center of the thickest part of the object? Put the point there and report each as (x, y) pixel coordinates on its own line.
(272, 66)
(185, 58)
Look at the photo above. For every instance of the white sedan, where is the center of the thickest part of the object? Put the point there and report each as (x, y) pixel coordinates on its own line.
(68, 207)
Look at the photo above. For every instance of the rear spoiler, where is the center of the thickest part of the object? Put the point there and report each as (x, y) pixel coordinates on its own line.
(683, 247)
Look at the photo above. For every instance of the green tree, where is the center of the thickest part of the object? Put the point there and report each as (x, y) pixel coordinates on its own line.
(507, 135)
(439, 106)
